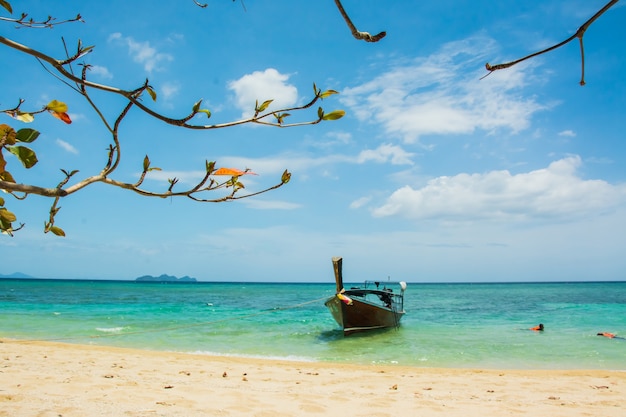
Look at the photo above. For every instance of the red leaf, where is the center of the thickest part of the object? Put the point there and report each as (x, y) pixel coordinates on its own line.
(64, 117)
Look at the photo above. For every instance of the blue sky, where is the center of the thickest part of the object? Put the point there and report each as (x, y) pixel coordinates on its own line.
(433, 175)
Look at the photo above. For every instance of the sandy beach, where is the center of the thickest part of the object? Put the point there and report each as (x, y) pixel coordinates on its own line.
(52, 379)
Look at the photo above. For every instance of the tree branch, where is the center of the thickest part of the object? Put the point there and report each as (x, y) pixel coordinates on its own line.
(49, 23)
(133, 95)
(579, 34)
(365, 36)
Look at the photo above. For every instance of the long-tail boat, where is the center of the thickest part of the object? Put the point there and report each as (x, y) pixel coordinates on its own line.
(372, 305)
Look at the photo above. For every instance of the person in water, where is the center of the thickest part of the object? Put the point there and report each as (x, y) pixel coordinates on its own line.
(609, 335)
(537, 328)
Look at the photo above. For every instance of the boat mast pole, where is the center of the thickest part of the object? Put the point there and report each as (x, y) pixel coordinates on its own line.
(337, 261)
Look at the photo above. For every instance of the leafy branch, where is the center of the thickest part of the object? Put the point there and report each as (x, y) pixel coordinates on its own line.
(17, 142)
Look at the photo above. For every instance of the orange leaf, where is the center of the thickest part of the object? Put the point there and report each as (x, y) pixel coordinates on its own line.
(64, 117)
(233, 172)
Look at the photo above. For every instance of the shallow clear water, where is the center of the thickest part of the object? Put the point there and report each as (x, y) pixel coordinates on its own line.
(446, 325)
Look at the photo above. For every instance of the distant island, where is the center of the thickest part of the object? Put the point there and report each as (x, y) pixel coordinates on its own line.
(17, 275)
(165, 278)
(145, 278)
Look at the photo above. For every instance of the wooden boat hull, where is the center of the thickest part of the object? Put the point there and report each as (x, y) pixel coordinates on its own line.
(361, 315)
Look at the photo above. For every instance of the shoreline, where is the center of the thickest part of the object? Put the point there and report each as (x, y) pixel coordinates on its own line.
(60, 379)
(296, 359)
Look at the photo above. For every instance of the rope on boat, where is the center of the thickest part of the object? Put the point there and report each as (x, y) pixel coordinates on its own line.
(186, 326)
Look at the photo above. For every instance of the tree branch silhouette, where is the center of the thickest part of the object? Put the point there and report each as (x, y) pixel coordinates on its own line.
(365, 36)
(579, 34)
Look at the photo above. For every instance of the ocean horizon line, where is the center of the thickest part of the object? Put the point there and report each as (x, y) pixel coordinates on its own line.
(329, 282)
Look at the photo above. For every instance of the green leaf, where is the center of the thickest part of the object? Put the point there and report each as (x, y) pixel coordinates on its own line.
(263, 106)
(334, 115)
(6, 228)
(280, 117)
(286, 177)
(152, 93)
(27, 135)
(1, 201)
(210, 166)
(320, 112)
(57, 231)
(147, 167)
(7, 216)
(6, 176)
(196, 106)
(26, 156)
(69, 174)
(328, 93)
(57, 106)
(84, 51)
(208, 113)
(6, 5)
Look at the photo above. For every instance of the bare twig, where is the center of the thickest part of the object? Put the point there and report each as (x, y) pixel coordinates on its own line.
(579, 34)
(365, 36)
(49, 23)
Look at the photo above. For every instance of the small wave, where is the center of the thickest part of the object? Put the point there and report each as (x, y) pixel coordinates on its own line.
(384, 362)
(291, 358)
(110, 329)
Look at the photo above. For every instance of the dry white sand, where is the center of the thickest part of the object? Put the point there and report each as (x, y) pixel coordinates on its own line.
(53, 379)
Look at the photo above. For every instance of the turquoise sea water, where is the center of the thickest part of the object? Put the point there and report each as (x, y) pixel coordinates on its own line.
(446, 325)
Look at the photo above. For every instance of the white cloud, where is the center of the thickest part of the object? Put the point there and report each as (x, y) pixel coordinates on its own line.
(437, 95)
(183, 177)
(168, 89)
(69, 148)
(76, 116)
(101, 72)
(386, 152)
(340, 137)
(142, 52)
(360, 202)
(293, 162)
(261, 86)
(330, 140)
(568, 133)
(555, 192)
